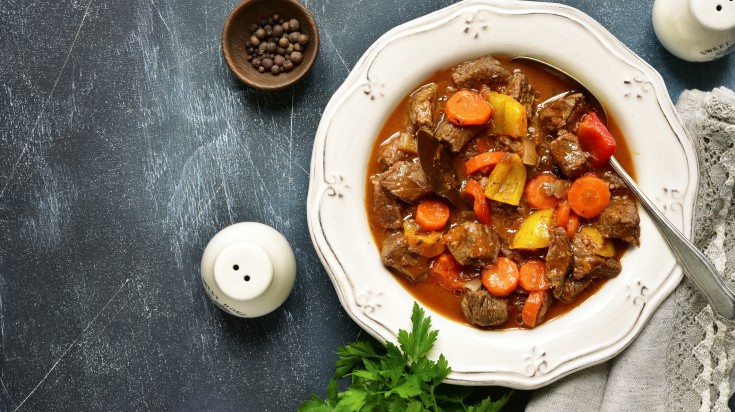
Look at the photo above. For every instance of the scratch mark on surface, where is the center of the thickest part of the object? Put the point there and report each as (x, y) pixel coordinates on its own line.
(188, 59)
(336, 50)
(160, 15)
(2, 318)
(43, 108)
(7, 392)
(68, 348)
(290, 135)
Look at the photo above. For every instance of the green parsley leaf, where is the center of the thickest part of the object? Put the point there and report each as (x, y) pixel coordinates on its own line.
(314, 404)
(397, 378)
(332, 392)
(352, 400)
(351, 356)
(419, 342)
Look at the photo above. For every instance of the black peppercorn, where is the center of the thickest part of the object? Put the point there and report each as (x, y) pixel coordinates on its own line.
(276, 44)
(295, 25)
(297, 57)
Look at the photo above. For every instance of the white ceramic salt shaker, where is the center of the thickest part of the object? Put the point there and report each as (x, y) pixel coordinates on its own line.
(248, 269)
(695, 30)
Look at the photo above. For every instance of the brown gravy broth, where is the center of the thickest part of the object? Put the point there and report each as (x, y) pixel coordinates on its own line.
(430, 292)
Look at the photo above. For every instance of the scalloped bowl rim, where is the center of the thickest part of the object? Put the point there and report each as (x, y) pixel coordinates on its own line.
(633, 92)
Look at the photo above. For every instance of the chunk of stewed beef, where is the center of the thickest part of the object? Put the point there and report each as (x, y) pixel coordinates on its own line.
(472, 243)
(456, 136)
(520, 89)
(387, 209)
(587, 263)
(568, 155)
(483, 309)
(421, 108)
(477, 72)
(396, 149)
(558, 257)
(620, 220)
(614, 182)
(406, 181)
(570, 289)
(562, 113)
(394, 253)
(511, 144)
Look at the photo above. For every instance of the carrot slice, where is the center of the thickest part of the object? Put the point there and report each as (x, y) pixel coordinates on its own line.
(588, 196)
(480, 206)
(447, 271)
(432, 214)
(535, 192)
(535, 308)
(467, 108)
(501, 279)
(572, 225)
(533, 276)
(482, 162)
(562, 214)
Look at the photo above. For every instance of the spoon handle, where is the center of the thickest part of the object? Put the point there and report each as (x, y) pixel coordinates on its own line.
(695, 264)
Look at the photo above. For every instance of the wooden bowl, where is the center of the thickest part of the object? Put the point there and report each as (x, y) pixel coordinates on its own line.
(236, 34)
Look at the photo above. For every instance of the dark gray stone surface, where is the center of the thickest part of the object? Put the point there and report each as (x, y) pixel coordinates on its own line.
(125, 145)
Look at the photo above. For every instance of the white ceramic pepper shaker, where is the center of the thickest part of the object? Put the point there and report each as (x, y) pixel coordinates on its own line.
(695, 30)
(248, 269)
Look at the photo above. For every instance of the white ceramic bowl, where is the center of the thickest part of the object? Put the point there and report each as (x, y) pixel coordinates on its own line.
(631, 90)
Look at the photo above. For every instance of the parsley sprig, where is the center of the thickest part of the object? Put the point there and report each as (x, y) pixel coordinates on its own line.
(397, 378)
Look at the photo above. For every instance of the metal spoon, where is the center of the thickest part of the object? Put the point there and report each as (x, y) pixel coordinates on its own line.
(696, 266)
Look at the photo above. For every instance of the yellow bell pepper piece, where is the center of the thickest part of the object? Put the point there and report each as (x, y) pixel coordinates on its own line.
(426, 244)
(605, 247)
(507, 180)
(534, 231)
(509, 116)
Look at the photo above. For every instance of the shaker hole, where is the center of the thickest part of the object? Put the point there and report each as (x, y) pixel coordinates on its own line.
(719, 7)
(236, 267)
(247, 278)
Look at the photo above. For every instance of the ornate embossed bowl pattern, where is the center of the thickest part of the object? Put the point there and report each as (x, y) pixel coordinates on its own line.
(632, 92)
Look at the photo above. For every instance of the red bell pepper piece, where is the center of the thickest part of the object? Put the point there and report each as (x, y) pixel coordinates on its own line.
(596, 140)
(482, 211)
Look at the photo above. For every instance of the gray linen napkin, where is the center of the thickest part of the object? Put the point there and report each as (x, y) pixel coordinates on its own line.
(683, 359)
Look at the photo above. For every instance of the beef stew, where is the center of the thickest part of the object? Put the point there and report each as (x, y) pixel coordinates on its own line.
(530, 225)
